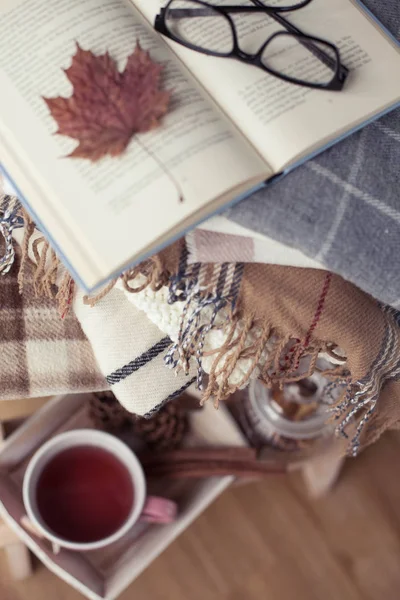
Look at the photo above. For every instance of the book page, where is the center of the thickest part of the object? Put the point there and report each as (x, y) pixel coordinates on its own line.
(282, 120)
(102, 214)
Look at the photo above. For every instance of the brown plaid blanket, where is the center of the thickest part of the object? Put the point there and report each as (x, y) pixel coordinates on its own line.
(41, 354)
(283, 321)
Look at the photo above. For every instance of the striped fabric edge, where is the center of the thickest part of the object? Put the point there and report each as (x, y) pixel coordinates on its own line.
(142, 360)
(169, 398)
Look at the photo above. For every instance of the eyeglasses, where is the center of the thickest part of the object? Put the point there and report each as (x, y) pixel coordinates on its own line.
(290, 55)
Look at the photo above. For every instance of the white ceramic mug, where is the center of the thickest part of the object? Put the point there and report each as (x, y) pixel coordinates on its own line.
(150, 509)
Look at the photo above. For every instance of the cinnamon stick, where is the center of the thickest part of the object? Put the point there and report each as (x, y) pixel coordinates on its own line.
(205, 473)
(199, 454)
(205, 468)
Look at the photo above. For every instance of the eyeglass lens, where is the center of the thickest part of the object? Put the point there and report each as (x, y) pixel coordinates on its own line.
(199, 26)
(287, 55)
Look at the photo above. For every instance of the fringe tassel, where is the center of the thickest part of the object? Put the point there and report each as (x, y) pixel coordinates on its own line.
(28, 233)
(45, 276)
(93, 300)
(354, 400)
(48, 269)
(65, 295)
(10, 218)
(261, 350)
(192, 333)
(152, 272)
(219, 385)
(358, 403)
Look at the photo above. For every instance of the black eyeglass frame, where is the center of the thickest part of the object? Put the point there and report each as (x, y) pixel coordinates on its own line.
(340, 72)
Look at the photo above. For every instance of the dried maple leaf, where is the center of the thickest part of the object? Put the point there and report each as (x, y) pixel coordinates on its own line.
(107, 107)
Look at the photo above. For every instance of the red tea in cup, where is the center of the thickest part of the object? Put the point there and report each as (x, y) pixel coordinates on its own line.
(85, 489)
(84, 494)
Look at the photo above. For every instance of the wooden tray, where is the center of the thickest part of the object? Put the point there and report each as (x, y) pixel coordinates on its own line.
(104, 574)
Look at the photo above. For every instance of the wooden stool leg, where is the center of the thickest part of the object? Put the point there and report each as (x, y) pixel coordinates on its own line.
(320, 472)
(320, 476)
(2, 436)
(19, 561)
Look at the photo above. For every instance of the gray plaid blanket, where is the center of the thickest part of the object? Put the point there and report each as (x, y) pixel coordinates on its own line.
(343, 207)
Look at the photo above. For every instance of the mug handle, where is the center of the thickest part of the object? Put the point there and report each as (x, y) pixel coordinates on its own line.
(158, 510)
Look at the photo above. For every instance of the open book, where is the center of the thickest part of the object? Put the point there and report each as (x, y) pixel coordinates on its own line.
(231, 126)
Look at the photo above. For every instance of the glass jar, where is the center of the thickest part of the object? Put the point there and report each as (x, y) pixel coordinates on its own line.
(291, 419)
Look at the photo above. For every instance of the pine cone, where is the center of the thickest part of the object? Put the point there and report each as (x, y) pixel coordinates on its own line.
(108, 414)
(166, 429)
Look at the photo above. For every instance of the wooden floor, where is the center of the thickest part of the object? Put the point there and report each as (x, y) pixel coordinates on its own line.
(267, 541)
